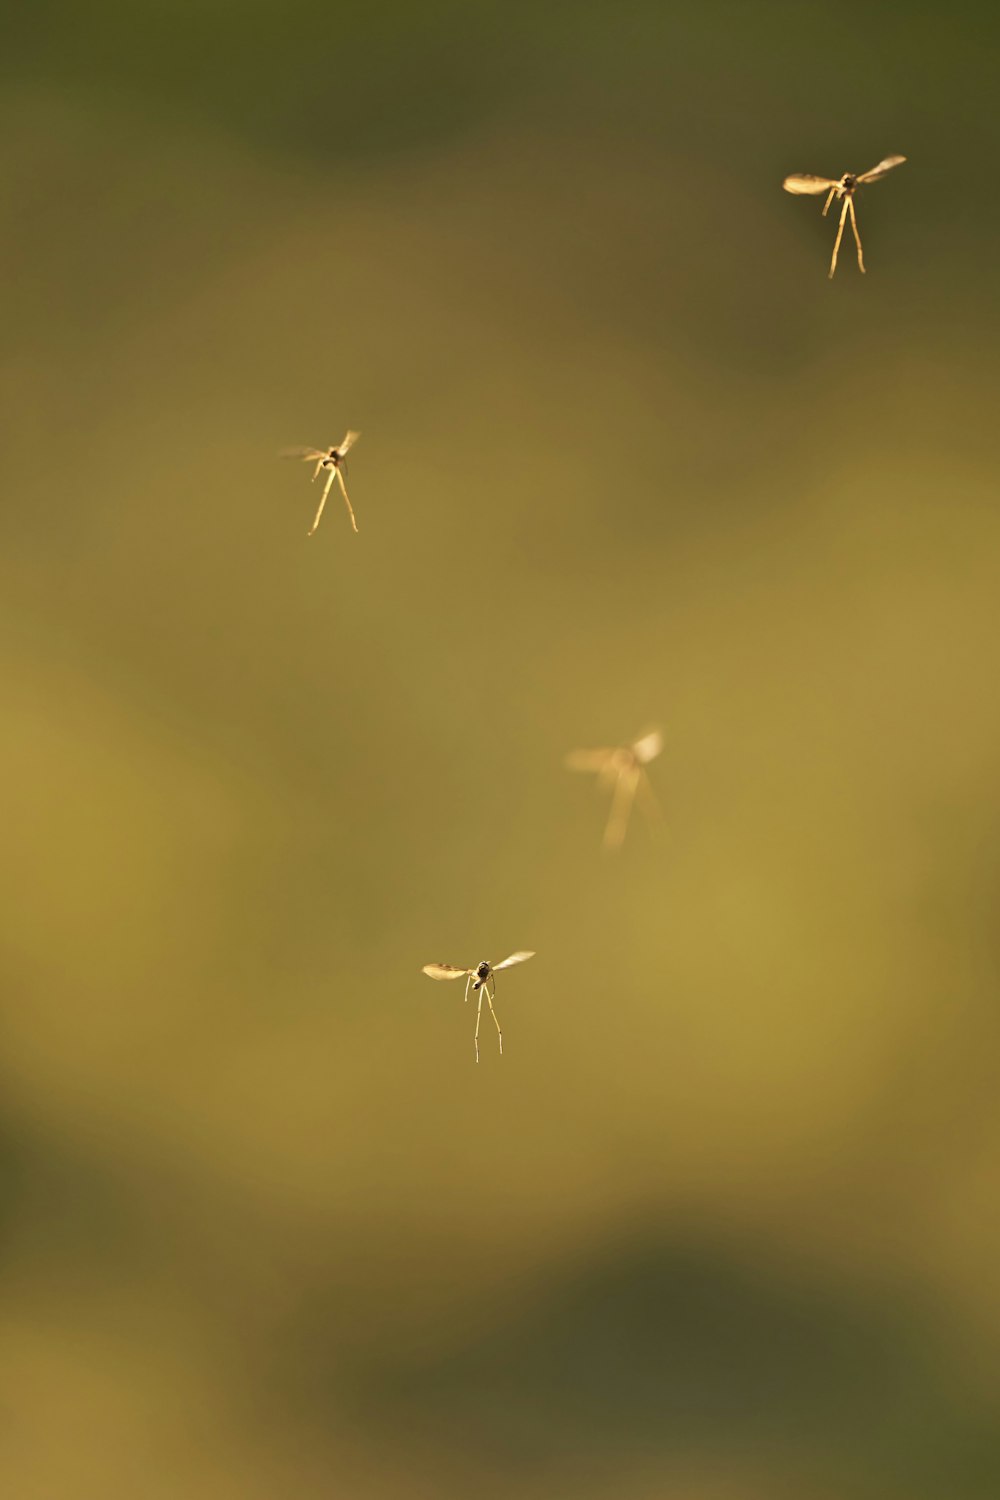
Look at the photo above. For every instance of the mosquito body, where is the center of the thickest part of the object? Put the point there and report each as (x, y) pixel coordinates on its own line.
(843, 190)
(328, 461)
(479, 981)
(622, 768)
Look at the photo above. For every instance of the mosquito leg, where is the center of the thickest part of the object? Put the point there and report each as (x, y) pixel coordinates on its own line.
(479, 1015)
(854, 226)
(829, 200)
(326, 491)
(621, 804)
(607, 776)
(647, 797)
(493, 1013)
(343, 491)
(840, 231)
(316, 471)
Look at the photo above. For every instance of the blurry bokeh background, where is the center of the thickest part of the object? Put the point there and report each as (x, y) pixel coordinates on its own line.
(723, 1222)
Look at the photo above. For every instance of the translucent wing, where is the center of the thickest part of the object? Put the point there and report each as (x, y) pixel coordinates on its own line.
(885, 165)
(588, 760)
(312, 454)
(444, 971)
(648, 747)
(805, 182)
(515, 958)
(348, 441)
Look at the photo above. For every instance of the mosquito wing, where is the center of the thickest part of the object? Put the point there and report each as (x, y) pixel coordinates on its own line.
(311, 454)
(588, 760)
(444, 971)
(805, 182)
(648, 747)
(515, 958)
(348, 441)
(886, 165)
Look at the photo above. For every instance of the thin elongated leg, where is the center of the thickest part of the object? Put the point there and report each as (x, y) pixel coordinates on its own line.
(646, 797)
(840, 231)
(326, 491)
(467, 983)
(621, 804)
(854, 226)
(319, 465)
(489, 1001)
(829, 200)
(607, 776)
(479, 1016)
(343, 491)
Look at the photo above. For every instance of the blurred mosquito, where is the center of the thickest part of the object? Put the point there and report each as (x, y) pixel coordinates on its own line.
(845, 188)
(482, 974)
(329, 459)
(624, 769)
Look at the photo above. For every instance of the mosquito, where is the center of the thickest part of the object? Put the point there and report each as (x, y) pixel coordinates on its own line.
(329, 459)
(805, 182)
(482, 974)
(624, 769)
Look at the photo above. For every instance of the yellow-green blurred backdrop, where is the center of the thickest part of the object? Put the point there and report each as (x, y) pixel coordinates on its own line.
(722, 1224)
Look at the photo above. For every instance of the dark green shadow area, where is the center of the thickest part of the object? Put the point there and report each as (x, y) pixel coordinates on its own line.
(343, 82)
(669, 1350)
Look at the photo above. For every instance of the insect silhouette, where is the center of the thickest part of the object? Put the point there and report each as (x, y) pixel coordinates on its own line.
(623, 769)
(330, 460)
(479, 978)
(844, 188)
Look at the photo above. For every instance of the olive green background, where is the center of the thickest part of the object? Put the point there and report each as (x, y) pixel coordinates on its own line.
(722, 1224)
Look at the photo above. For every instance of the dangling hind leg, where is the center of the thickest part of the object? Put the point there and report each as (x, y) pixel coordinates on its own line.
(493, 1013)
(621, 805)
(479, 1016)
(857, 237)
(347, 498)
(646, 798)
(326, 491)
(840, 231)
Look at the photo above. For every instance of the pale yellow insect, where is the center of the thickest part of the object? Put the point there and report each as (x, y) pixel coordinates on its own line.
(844, 187)
(482, 974)
(624, 769)
(329, 459)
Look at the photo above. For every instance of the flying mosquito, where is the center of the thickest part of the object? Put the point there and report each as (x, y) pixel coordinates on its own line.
(845, 188)
(482, 974)
(329, 459)
(624, 769)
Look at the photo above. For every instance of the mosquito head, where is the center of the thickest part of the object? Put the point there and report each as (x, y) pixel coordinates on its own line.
(483, 970)
(849, 182)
